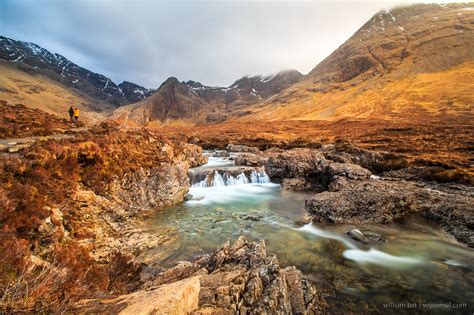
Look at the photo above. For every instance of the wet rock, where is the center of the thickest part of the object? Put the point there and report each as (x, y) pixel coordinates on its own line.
(188, 197)
(220, 153)
(252, 217)
(357, 235)
(305, 219)
(297, 184)
(242, 148)
(374, 236)
(303, 169)
(376, 201)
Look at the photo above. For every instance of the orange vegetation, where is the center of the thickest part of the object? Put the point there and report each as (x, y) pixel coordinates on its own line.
(46, 175)
(444, 145)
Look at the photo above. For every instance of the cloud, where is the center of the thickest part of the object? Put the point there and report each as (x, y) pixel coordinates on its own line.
(211, 41)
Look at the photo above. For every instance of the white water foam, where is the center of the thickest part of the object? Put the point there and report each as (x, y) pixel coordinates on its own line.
(233, 193)
(217, 162)
(256, 177)
(310, 228)
(371, 256)
(374, 256)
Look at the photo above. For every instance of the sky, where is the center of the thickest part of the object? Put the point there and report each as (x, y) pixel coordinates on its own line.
(211, 41)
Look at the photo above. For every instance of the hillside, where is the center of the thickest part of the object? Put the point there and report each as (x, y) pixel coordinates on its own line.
(189, 103)
(37, 78)
(40, 92)
(416, 60)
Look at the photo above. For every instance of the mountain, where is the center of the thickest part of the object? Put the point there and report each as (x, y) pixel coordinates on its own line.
(33, 58)
(192, 102)
(409, 63)
(40, 79)
(133, 92)
(39, 91)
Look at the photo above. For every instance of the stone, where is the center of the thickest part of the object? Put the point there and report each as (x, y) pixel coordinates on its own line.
(252, 217)
(241, 278)
(179, 297)
(249, 159)
(378, 201)
(46, 228)
(194, 140)
(188, 197)
(242, 148)
(357, 235)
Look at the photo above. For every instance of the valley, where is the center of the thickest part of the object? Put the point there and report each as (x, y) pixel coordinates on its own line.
(343, 190)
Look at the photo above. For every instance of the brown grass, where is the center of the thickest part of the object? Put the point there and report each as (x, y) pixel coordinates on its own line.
(445, 145)
(46, 175)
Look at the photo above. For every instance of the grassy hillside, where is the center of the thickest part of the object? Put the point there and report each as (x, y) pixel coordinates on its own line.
(37, 91)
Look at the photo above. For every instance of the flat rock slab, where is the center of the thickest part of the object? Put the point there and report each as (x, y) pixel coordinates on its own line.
(179, 297)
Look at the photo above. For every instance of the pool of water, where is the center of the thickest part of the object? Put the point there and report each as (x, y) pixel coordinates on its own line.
(417, 263)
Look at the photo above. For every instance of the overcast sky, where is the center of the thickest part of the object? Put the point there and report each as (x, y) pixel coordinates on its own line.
(214, 42)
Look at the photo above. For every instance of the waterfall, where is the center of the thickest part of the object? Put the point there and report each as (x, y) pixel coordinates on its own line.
(257, 176)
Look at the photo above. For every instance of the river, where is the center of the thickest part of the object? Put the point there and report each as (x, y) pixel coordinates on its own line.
(414, 261)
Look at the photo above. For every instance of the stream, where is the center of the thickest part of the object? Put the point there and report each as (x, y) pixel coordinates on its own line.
(414, 261)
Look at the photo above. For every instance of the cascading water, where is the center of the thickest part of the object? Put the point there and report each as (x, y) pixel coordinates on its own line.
(220, 178)
(415, 263)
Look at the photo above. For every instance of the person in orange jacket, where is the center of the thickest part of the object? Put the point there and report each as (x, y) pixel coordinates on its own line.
(76, 114)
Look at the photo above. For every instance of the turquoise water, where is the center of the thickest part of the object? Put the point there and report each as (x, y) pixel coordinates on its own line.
(418, 263)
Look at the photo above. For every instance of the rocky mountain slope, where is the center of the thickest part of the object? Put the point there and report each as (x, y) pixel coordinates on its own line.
(416, 60)
(189, 103)
(38, 78)
(133, 92)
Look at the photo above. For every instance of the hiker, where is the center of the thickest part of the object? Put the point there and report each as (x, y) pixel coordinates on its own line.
(71, 113)
(76, 114)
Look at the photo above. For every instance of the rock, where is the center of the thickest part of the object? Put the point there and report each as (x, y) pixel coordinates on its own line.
(374, 236)
(241, 278)
(296, 184)
(248, 159)
(46, 228)
(376, 201)
(194, 140)
(305, 169)
(357, 235)
(252, 217)
(305, 219)
(188, 197)
(179, 297)
(242, 148)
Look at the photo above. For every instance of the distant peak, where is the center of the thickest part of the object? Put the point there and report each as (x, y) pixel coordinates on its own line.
(170, 81)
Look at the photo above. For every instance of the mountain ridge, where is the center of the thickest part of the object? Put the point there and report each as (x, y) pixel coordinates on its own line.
(410, 60)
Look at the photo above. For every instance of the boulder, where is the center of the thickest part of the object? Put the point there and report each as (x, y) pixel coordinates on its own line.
(194, 140)
(358, 236)
(249, 159)
(378, 201)
(241, 279)
(179, 297)
(303, 169)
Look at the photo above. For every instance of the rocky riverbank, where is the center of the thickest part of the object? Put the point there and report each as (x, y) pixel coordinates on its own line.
(70, 210)
(238, 278)
(358, 186)
(86, 236)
